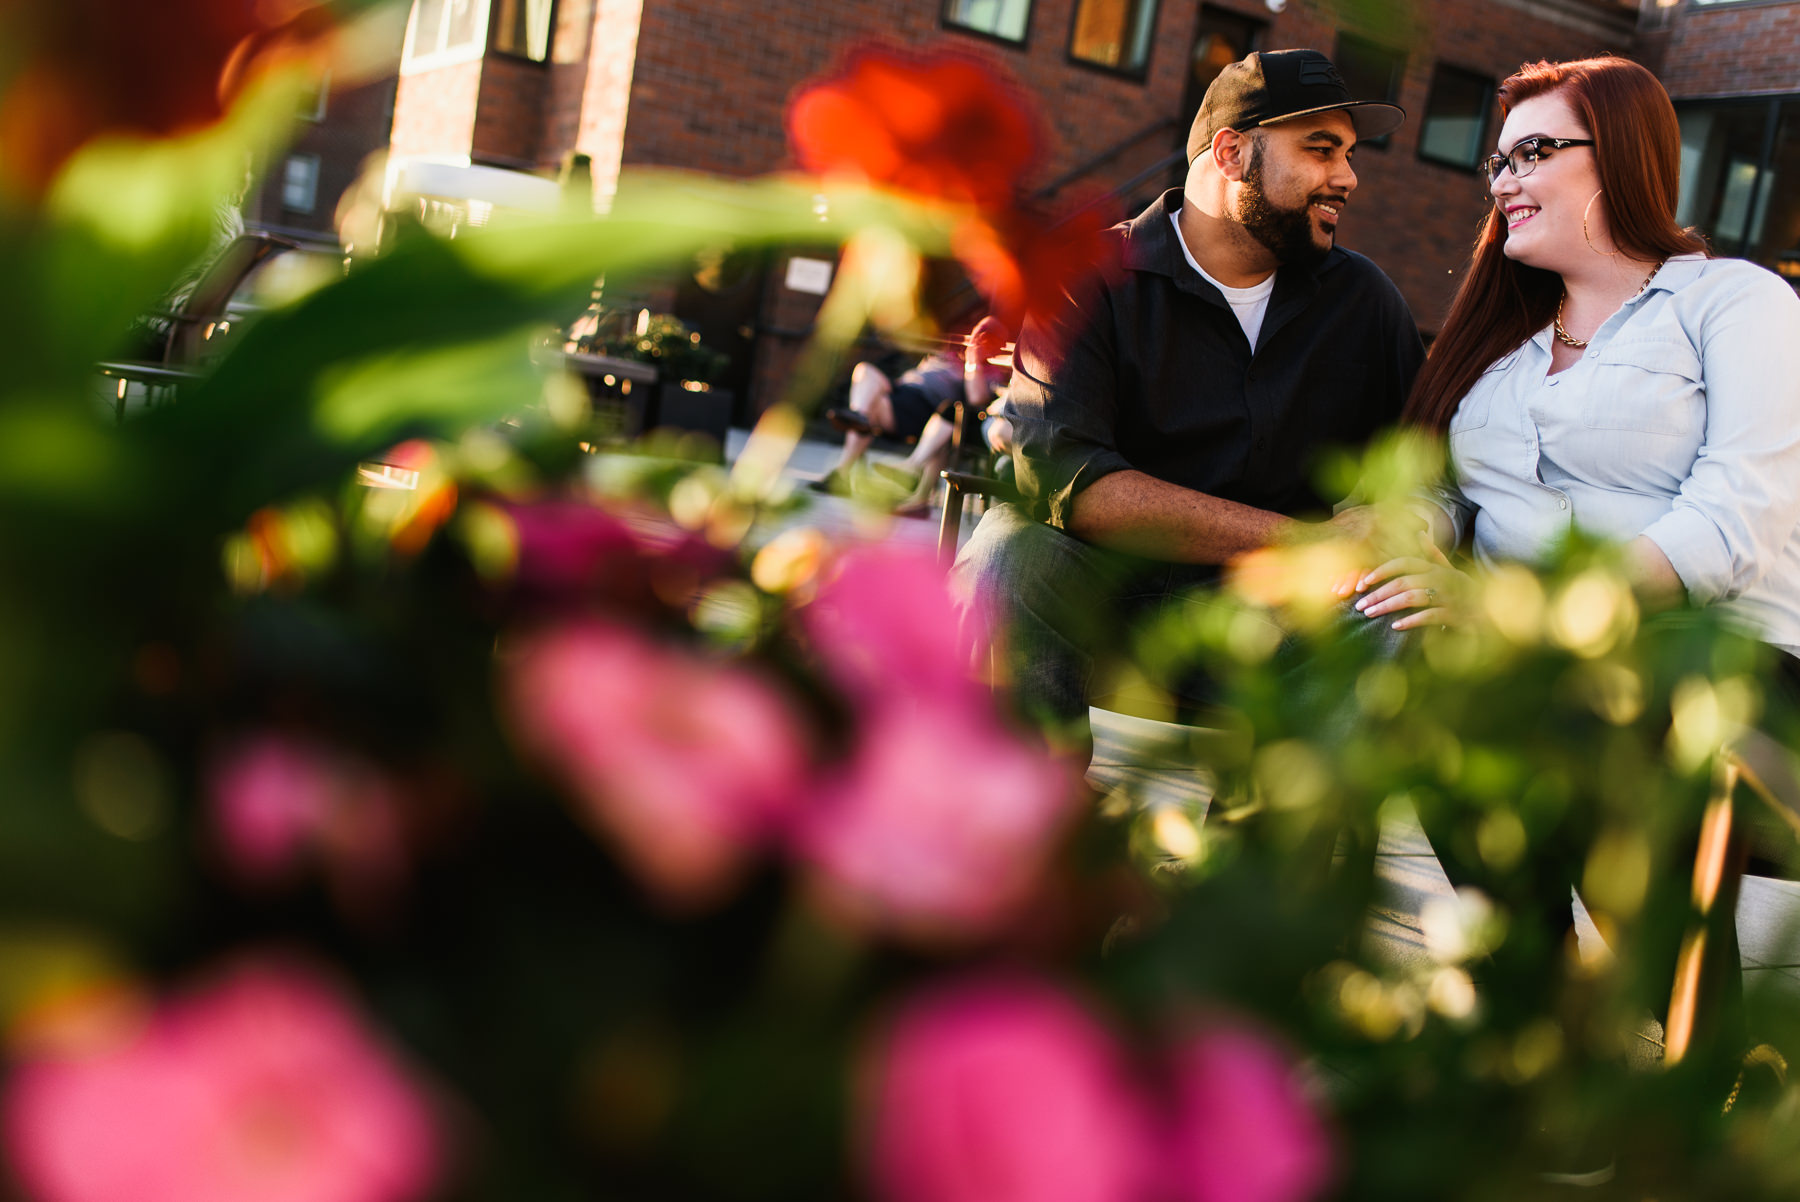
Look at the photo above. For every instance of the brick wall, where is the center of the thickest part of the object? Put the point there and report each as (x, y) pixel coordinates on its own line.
(1731, 50)
(434, 111)
(355, 125)
(604, 96)
(509, 111)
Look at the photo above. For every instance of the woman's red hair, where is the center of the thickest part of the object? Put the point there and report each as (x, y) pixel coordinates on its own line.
(1501, 303)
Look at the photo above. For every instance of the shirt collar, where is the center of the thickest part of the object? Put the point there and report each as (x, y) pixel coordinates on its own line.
(1151, 245)
(1676, 274)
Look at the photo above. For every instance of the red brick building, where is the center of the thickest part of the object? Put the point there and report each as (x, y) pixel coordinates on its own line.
(703, 84)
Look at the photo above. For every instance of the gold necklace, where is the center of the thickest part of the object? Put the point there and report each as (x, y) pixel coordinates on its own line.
(1567, 339)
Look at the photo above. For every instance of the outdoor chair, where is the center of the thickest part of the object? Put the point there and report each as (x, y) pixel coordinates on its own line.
(1753, 770)
(175, 354)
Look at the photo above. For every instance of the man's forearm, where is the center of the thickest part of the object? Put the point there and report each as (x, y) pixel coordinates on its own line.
(1138, 513)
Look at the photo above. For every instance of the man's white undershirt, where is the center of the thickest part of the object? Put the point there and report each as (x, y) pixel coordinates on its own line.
(1249, 304)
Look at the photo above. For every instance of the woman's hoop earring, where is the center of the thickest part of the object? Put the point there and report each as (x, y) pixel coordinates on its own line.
(1613, 253)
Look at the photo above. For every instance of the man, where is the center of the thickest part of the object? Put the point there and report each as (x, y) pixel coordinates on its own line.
(920, 404)
(1172, 418)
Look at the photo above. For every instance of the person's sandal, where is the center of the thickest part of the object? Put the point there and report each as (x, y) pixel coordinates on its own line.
(849, 421)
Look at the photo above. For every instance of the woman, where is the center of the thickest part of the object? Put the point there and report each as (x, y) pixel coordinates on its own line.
(1599, 369)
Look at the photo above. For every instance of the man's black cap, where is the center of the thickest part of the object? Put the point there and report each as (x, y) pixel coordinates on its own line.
(1272, 86)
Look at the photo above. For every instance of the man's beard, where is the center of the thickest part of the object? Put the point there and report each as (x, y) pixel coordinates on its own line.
(1288, 233)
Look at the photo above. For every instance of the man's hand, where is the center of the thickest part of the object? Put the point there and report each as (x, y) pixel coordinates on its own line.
(986, 340)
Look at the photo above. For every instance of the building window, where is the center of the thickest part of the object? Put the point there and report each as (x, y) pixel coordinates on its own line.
(522, 27)
(1738, 163)
(1221, 39)
(1003, 19)
(1114, 34)
(311, 105)
(300, 183)
(444, 27)
(1372, 72)
(1456, 117)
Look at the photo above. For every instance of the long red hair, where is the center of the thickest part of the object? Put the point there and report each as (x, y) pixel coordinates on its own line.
(1501, 303)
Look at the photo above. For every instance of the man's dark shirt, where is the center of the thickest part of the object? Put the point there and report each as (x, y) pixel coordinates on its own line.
(1152, 371)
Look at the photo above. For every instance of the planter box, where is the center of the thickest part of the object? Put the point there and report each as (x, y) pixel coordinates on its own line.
(707, 412)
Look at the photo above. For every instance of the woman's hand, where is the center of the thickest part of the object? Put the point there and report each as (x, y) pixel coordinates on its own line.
(1437, 593)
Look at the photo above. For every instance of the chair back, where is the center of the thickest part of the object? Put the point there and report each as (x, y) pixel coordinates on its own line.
(194, 323)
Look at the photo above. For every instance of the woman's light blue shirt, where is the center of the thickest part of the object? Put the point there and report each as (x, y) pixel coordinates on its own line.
(1681, 422)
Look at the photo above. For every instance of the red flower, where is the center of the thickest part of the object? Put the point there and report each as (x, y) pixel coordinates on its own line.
(1028, 265)
(951, 128)
(938, 124)
(86, 68)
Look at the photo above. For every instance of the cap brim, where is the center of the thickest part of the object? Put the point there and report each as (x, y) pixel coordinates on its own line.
(1372, 118)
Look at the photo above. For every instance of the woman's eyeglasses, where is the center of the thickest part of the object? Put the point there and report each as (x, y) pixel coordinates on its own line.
(1523, 158)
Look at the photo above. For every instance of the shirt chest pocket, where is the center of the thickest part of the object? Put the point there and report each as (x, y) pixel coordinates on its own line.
(1653, 387)
(1473, 410)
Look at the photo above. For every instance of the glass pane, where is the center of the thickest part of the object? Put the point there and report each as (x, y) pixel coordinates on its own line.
(1371, 72)
(1002, 18)
(1721, 147)
(467, 24)
(427, 27)
(300, 183)
(1776, 227)
(1113, 33)
(1456, 116)
(1222, 39)
(523, 28)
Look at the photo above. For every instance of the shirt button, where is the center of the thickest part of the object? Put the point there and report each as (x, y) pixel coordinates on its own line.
(1562, 502)
(1593, 354)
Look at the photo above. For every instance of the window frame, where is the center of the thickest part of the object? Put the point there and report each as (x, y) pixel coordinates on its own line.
(411, 61)
(945, 22)
(1491, 85)
(1138, 75)
(1396, 79)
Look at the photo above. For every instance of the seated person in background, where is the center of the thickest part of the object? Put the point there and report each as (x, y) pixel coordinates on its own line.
(1170, 420)
(920, 404)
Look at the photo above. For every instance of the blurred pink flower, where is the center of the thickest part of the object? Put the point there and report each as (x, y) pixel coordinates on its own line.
(1244, 1129)
(1003, 1090)
(264, 1087)
(277, 799)
(685, 765)
(883, 624)
(570, 546)
(571, 550)
(941, 824)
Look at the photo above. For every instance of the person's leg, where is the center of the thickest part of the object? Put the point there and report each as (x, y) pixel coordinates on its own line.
(930, 457)
(871, 396)
(1052, 602)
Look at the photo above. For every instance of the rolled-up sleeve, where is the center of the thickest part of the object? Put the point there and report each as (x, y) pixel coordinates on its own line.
(1064, 404)
(1448, 498)
(1739, 506)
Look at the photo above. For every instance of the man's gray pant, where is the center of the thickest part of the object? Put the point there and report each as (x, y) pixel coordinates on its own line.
(1061, 606)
